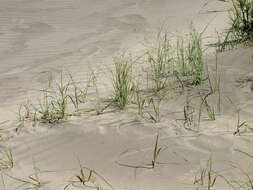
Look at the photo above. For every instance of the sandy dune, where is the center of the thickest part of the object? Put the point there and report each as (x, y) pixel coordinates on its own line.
(41, 36)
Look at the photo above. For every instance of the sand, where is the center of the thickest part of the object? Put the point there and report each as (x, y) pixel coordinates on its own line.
(38, 37)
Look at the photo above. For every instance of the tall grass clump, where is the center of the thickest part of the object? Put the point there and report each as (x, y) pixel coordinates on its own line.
(195, 57)
(189, 61)
(122, 81)
(160, 60)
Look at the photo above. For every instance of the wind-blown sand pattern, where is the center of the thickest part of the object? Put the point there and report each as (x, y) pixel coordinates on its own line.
(81, 36)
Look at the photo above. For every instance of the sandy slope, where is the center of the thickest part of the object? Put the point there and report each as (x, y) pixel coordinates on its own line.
(82, 35)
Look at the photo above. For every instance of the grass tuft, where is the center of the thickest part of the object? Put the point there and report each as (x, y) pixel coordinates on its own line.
(161, 62)
(122, 81)
(195, 57)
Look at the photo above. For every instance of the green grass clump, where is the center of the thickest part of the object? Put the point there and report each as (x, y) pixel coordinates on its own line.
(160, 60)
(122, 81)
(181, 58)
(189, 61)
(195, 57)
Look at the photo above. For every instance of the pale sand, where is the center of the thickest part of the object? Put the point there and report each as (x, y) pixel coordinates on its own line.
(41, 36)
